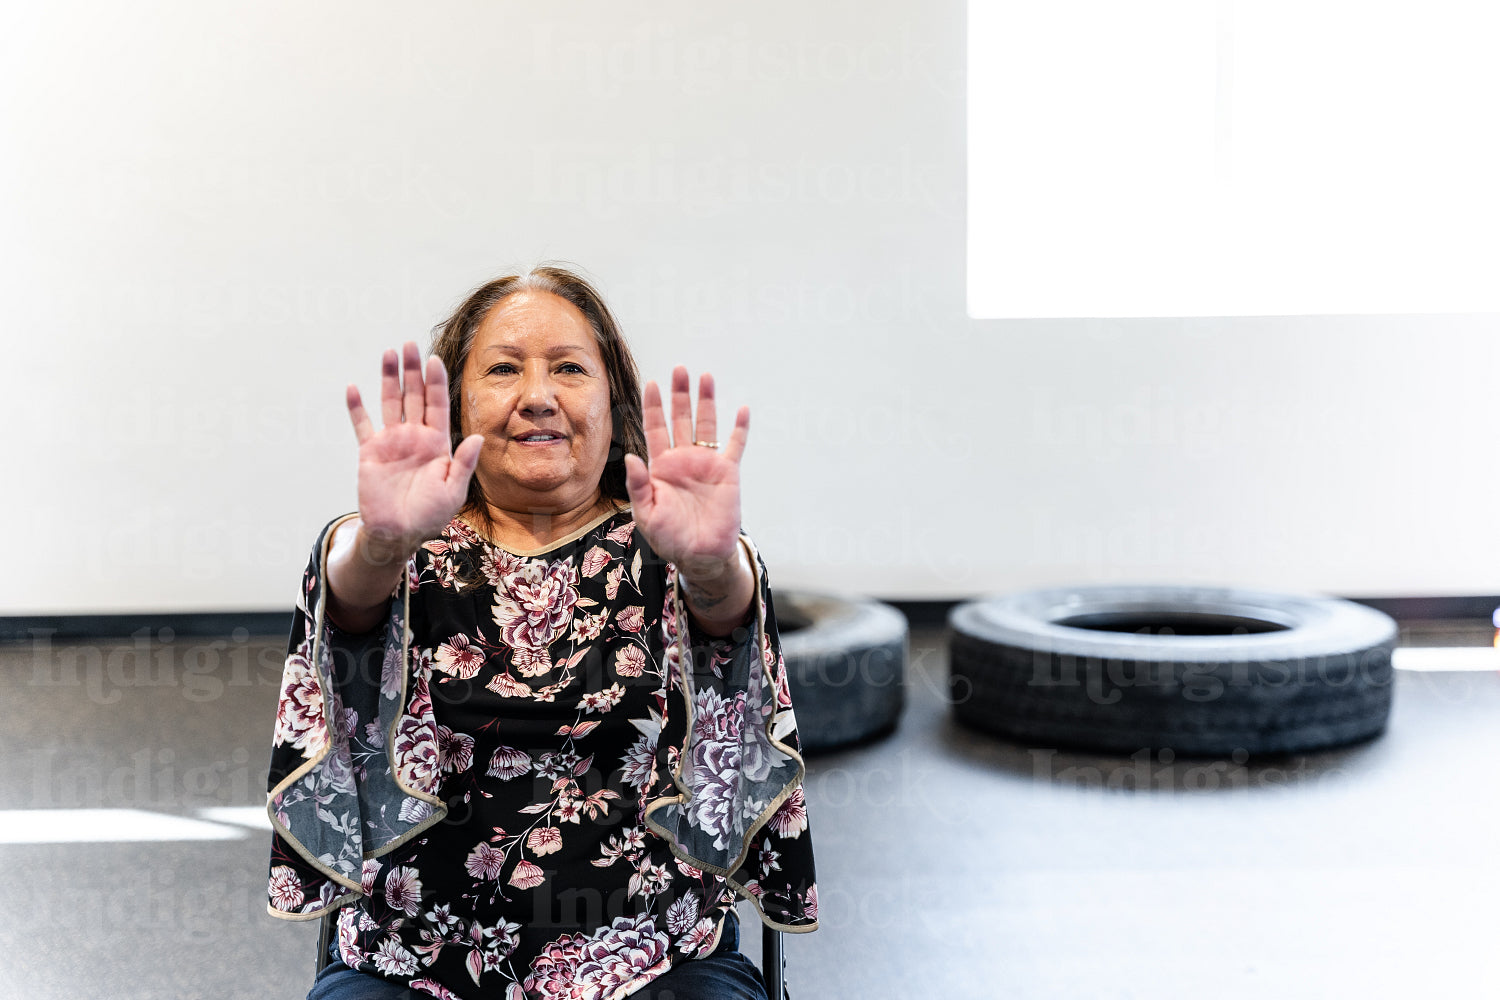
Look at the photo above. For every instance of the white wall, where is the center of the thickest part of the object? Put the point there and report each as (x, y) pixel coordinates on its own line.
(209, 224)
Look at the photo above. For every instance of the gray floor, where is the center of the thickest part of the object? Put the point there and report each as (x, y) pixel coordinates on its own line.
(950, 865)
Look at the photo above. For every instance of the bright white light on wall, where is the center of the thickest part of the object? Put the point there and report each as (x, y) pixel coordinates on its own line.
(1224, 158)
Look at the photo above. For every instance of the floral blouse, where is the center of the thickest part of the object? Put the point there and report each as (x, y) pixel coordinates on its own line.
(537, 777)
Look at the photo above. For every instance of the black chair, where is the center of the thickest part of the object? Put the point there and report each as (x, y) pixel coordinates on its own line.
(772, 959)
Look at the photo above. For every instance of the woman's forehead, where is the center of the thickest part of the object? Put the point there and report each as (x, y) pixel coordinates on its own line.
(535, 323)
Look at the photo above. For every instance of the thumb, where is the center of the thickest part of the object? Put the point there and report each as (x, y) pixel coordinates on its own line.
(465, 459)
(637, 481)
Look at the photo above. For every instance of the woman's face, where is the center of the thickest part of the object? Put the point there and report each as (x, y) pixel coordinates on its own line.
(536, 387)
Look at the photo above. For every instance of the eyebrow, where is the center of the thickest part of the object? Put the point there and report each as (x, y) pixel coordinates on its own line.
(551, 352)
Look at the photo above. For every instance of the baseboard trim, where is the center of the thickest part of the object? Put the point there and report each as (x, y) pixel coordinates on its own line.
(923, 614)
(165, 626)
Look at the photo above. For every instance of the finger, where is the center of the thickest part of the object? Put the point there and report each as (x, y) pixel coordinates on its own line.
(435, 413)
(638, 484)
(653, 421)
(390, 389)
(357, 415)
(413, 400)
(736, 446)
(682, 408)
(708, 418)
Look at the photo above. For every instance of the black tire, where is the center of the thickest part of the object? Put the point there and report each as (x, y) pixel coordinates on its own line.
(1094, 668)
(846, 665)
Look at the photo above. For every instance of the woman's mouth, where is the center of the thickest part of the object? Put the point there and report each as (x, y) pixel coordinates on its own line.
(539, 437)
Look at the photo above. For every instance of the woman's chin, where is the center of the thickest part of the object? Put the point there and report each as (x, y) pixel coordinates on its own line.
(530, 488)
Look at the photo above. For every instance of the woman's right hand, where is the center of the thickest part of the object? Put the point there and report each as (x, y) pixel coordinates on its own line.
(410, 483)
(410, 486)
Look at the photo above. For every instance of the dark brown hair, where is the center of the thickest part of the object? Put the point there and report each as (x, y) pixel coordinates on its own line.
(454, 337)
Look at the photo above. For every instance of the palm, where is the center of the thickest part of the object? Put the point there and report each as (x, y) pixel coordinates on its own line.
(410, 484)
(687, 502)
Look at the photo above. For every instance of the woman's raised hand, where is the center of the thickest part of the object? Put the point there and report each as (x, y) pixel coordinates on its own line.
(410, 483)
(687, 502)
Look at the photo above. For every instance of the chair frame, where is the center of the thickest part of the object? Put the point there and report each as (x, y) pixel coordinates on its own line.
(772, 958)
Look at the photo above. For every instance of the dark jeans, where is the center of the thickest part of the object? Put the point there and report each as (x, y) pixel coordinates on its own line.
(725, 974)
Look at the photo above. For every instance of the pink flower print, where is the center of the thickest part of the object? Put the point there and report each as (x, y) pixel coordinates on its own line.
(285, 889)
(602, 701)
(791, 818)
(716, 719)
(421, 696)
(682, 915)
(392, 670)
(632, 949)
(630, 661)
(459, 657)
(344, 722)
(612, 581)
(416, 754)
(527, 875)
(507, 685)
(576, 967)
(460, 535)
(701, 934)
(443, 920)
(650, 879)
(622, 533)
(569, 808)
(349, 950)
(544, 840)
(403, 890)
(435, 989)
(558, 764)
(776, 669)
(552, 974)
(586, 627)
(508, 762)
(639, 763)
(532, 608)
(393, 960)
(688, 869)
(455, 750)
(484, 861)
(414, 810)
(631, 619)
(367, 876)
(672, 657)
(497, 564)
(810, 902)
(594, 560)
(299, 713)
(715, 784)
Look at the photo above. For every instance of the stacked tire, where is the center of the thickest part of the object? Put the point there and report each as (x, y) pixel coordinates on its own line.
(1204, 672)
(846, 665)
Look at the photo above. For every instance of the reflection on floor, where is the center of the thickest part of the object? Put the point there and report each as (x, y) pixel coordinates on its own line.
(950, 864)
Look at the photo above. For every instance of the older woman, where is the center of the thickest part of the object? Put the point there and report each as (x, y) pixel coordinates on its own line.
(534, 734)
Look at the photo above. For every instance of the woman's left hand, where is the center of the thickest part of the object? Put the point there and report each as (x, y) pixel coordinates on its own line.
(687, 501)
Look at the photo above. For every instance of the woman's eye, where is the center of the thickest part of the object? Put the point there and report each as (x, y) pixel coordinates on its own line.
(503, 369)
(571, 368)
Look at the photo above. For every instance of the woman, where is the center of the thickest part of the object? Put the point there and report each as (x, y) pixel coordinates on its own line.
(534, 733)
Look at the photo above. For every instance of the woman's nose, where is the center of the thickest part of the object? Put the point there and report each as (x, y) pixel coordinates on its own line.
(537, 391)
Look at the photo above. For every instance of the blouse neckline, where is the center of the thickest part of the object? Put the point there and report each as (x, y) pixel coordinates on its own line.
(555, 543)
